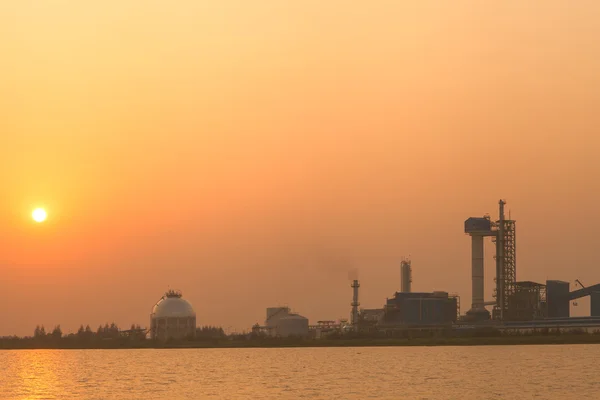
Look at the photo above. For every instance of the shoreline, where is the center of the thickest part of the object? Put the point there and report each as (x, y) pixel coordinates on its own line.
(356, 342)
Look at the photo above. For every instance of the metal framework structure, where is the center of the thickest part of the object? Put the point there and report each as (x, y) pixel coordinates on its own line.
(457, 297)
(528, 302)
(506, 264)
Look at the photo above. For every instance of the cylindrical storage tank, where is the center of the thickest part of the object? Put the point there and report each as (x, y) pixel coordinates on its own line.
(292, 325)
(274, 314)
(172, 318)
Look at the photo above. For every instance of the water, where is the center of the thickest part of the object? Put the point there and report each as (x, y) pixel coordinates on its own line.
(502, 372)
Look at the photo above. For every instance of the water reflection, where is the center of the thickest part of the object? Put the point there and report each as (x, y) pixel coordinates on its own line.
(41, 374)
(549, 372)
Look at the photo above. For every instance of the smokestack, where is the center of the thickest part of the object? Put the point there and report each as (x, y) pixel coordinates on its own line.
(354, 317)
(406, 275)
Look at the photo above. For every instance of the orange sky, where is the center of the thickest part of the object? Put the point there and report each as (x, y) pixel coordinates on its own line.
(252, 153)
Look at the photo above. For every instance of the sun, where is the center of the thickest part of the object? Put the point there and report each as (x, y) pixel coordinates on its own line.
(39, 215)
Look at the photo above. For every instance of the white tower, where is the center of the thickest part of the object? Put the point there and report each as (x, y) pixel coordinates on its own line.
(478, 228)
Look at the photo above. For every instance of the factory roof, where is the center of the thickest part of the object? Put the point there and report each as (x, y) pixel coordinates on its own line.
(529, 284)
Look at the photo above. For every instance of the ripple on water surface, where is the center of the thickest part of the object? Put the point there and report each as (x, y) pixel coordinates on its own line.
(482, 372)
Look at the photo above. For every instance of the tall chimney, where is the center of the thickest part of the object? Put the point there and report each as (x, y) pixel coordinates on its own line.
(354, 317)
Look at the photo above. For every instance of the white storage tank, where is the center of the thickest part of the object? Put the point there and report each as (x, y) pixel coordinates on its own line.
(292, 325)
(172, 318)
(274, 314)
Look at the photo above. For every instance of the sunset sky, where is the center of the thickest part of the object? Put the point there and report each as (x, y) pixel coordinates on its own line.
(253, 153)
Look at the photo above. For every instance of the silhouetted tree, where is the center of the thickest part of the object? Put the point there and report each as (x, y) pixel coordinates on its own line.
(210, 332)
(57, 332)
(84, 334)
(113, 331)
(40, 332)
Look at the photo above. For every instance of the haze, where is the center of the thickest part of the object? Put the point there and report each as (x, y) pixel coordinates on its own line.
(254, 153)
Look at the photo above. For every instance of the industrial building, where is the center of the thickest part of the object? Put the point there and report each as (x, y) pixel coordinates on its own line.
(372, 315)
(534, 301)
(559, 297)
(418, 309)
(406, 308)
(172, 318)
(515, 300)
(281, 322)
(557, 301)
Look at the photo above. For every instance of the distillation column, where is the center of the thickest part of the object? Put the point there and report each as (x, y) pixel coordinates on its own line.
(406, 275)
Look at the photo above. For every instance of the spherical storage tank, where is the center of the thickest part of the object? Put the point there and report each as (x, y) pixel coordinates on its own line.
(292, 325)
(172, 317)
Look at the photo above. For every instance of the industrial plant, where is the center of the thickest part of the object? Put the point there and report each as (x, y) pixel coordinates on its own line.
(512, 305)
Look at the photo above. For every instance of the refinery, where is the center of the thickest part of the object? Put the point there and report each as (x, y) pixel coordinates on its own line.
(513, 305)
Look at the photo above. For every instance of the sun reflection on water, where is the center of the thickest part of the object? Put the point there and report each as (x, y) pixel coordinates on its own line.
(316, 373)
(41, 374)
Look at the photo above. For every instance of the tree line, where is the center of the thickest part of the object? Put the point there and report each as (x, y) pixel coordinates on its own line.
(103, 331)
(107, 335)
(86, 333)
